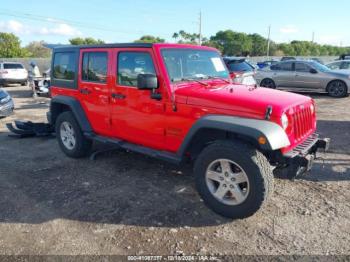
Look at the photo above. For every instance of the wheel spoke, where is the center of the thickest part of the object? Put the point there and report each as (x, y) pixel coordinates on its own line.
(214, 175)
(237, 194)
(239, 178)
(221, 191)
(225, 166)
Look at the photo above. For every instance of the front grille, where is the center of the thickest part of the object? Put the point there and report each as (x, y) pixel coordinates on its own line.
(302, 122)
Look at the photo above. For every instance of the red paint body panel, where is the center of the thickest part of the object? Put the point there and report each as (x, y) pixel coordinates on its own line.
(145, 121)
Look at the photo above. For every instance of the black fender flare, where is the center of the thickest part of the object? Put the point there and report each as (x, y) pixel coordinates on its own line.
(74, 106)
(276, 137)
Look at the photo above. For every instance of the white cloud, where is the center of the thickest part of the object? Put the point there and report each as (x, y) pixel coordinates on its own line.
(12, 26)
(289, 29)
(61, 29)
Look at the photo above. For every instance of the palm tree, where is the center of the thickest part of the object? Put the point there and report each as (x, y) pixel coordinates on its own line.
(175, 36)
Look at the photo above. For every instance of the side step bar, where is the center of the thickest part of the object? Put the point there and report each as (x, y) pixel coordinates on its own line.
(166, 156)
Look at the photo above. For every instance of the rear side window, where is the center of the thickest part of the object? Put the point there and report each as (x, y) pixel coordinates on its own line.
(345, 65)
(13, 66)
(282, 67)
(64, 66)
(131, 64)
(239, 66)
(94, 67)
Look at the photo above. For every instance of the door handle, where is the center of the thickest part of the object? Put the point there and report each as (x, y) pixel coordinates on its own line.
(118, 96)
(85, 91)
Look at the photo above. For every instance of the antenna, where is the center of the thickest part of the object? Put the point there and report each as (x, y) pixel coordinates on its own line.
(200, 28)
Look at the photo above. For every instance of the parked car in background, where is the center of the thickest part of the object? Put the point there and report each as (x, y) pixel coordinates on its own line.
(240, 70)
(6, 103)
(317, 60)
(266, 63)
(344, 57)
(303, 75)
(12, 73)
(287, 58)
(340, 65)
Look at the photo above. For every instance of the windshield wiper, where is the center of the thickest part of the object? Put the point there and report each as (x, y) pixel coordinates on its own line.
(218, 77)
(191, 79)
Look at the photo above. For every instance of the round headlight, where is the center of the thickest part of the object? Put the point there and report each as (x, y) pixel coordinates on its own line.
(312, 109)
(284, 121)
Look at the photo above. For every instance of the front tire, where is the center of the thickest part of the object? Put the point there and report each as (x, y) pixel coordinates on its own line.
(233, 179)
(70, 137)
(337, 89)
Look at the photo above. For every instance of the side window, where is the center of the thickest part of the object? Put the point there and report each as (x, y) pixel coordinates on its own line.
(301, 67)
(286, 66)
(345, 65)
(334, 65)
(131, 64)
(64, 66)
(275, 67)
(94, 67)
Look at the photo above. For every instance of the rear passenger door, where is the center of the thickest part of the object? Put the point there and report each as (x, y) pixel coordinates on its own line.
(94, 79)
(283, 74)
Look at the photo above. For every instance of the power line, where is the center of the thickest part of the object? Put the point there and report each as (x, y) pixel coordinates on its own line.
(59, 21)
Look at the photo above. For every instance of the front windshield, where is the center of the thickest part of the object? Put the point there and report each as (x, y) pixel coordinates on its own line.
(187, 64)
(320, 67)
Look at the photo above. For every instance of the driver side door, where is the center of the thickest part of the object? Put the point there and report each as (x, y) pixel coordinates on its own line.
(136, 117)
(305, 79)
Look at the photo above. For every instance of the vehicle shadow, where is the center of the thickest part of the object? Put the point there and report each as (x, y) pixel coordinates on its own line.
(338, 132)
(38, 184)
(118, 188)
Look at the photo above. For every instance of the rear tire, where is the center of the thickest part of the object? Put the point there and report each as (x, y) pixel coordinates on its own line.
(247, 168)
(337, 89)
(268, 82)
(70, 137)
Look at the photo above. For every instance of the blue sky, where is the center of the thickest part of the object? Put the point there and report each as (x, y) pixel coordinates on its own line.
(123, 21)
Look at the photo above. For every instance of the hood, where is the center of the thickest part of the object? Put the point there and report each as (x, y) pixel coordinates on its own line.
(341, 72)
(241, 99)
(3, 93)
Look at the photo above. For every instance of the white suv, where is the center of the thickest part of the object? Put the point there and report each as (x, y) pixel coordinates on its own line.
(11, 72)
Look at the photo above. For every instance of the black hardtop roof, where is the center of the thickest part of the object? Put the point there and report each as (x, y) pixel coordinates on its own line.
(121, 45)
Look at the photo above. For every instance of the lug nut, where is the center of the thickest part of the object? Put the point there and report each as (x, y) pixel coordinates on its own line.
(224, 185)
(226, 174)
(231, 186)
(233, 179)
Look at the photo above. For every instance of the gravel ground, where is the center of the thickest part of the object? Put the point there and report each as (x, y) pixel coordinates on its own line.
(126, 203)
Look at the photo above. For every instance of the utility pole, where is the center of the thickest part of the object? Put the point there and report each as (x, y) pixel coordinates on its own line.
(200, 28)
(313, 37)
(268, 42)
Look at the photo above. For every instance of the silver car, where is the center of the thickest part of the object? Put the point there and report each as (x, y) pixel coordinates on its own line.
(304, 76)
(340, 65)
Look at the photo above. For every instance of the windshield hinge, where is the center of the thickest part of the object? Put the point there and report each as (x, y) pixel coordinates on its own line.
(268, 113)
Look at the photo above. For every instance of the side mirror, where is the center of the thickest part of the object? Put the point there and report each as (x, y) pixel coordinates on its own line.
(147, 81)
(313, 71)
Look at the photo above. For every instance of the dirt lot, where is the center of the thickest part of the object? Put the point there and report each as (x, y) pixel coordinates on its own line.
(126, 203)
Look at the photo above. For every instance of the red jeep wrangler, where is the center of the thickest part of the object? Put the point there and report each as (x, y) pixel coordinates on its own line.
(177, 103)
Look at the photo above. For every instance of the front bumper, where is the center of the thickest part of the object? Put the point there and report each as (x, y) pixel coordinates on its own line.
(5, 81)
(301, 159)
(7, 108)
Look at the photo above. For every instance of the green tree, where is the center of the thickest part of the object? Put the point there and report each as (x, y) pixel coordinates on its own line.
(149, 39)
(259, 45)
(37, 49)
(175, 36)
(85, 41)
(10, 46)
(233, 43)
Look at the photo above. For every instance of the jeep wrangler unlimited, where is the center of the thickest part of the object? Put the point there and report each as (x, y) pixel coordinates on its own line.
(177, 103)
